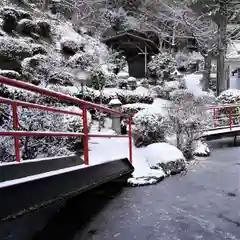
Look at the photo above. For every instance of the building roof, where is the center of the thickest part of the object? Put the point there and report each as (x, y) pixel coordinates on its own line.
(131, 39)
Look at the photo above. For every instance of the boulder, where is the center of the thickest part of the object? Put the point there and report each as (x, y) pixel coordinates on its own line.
(166, 157)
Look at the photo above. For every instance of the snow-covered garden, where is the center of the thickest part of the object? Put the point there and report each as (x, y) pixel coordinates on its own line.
(49, 52)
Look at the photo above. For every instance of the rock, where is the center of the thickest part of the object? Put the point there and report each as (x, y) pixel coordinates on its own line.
(44, 28)
(27, 27)
(9, 21)
(201, 149)
(173, 167)
(38, 49)
(69, 47)
(61, 78)
(166, 157)
(10, 74)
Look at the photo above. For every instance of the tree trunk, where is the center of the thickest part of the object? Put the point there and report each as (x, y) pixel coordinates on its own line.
(45, 5)
(222, 30)
(206, 72)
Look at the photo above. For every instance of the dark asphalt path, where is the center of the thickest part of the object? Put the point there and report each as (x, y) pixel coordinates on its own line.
(204, 204)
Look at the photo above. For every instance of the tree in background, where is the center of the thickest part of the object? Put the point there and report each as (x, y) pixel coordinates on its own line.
(221, 13)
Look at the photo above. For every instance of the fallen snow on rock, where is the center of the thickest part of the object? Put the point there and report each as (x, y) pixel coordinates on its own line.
(162, 153)
(107, 149)
(201, 149)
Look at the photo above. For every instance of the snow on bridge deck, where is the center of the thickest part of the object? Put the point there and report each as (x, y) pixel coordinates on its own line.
(218, 132)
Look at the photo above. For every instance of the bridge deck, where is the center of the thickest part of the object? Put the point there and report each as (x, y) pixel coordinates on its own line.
(221, 132)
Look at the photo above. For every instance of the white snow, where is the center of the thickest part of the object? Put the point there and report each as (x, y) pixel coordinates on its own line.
(122, 74)
(162, 153)
(107, 149)
(115, 101)
(40, 176)
(193, 84)
(201, 149)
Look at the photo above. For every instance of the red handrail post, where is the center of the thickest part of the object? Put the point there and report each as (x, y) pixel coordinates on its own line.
(230, 118)
(85, 131)
(130, 138)
(15, 127)
(214, 118)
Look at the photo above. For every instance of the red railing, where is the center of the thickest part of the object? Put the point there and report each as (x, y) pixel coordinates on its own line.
(225, 116)
(84, 105)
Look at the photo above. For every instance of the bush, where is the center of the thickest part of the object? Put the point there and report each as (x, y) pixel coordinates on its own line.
(230, 96)
(37, 120)
(160, 63)
(38, 49)
(44, 28)
(10, 19)
(187, 119)
(62, 78)
(69, 47)
(27, 27)
(148, 128)
(10, 74)
(14, 48)
(82, 60)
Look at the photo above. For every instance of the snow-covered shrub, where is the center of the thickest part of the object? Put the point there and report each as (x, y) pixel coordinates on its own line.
(61, 77)
(12, 51)
(38, 49)
(186, 119)
(10, 74)
(44, 28)
(230, 96)
(37, 120)
(83, 60)
(98, 80)
(162, 62)
(148, 128)
(69, 46)
(14, 48)
(10, 20)
(40, 68)
(182, 60)
(134, 108)
(27, 27)
(165, 90)
(166, 157)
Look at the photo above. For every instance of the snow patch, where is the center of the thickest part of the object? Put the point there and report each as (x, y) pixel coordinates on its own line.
(201, 149)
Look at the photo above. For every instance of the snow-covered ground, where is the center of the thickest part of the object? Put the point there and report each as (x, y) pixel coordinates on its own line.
(107, 149)
(193, 83)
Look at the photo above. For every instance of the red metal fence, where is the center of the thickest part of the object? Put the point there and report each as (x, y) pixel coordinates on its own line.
(84, 105)
(224, 116)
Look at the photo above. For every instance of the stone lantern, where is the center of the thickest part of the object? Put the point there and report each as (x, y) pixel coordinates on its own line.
(116, 104)
(132, 83)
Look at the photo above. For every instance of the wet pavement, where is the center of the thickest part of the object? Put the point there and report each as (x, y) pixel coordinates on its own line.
(203, 204)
